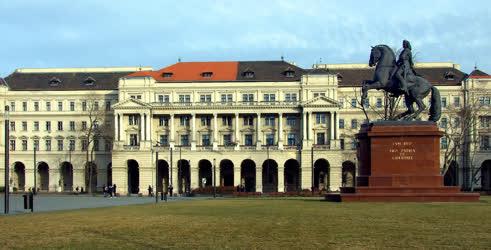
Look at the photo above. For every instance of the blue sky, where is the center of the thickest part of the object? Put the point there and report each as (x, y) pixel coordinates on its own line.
(156, 33)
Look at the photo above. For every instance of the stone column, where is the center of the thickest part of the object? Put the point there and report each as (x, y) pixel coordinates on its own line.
(172, 131)
(193, 131)
(142, 130)
(331, 127)
(237, 132)
(215, 131)
(194, 175)
(116, 127)
(236, 175)
(310, 131)
(304, 129)
(281, 179)
(259, 133)
(280, 131)
(175, 177)
(149, 128)
(259, 178)
(122, 128)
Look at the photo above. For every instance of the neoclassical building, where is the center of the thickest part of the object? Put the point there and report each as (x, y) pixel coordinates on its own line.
(269, 126)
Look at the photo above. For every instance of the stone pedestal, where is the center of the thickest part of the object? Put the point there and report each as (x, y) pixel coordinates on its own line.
(400, 161)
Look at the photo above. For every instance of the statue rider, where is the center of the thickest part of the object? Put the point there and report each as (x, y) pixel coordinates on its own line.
(405, 66)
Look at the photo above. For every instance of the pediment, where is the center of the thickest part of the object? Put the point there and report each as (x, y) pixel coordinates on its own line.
(321, 101)
(130, 103)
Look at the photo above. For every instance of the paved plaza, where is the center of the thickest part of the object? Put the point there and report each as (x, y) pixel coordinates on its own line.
(49, 202)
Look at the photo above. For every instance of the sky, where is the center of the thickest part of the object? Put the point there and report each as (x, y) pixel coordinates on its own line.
(93, 33)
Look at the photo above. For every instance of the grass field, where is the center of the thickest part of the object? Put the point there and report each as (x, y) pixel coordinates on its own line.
(256, 223)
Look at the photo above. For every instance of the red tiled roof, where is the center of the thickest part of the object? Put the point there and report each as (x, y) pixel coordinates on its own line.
(193, 71)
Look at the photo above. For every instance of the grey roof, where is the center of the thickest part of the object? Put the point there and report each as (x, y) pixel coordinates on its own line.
(269, 71)
(67, 81)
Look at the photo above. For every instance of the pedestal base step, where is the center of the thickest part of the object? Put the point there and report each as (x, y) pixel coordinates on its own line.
(407, 197)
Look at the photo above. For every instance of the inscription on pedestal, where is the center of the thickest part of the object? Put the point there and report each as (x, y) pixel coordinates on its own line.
(402, 151)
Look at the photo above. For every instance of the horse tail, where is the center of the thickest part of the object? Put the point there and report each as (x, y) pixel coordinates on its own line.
(435, 105)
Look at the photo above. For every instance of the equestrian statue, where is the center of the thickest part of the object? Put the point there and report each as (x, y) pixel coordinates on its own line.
(399, 78)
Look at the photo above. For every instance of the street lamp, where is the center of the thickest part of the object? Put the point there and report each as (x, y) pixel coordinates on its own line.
(35, 169)
(214, 179)
(7, 175)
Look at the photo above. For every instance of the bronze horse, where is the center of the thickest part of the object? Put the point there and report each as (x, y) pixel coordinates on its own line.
(418, 88)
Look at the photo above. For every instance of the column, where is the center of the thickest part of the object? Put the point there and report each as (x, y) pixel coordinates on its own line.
(122, 128)
(259, 133)
(194, 176)
(304, 128)
(236, 175)
(309, 127)
(142, 130)
(331, 127)
(116, 127)
(149, 128)
(215, 131)
(280, 131)
(281, 179)
(171, 130)
(193, 131)
(237, 132)
(175, 177)
(259, 178)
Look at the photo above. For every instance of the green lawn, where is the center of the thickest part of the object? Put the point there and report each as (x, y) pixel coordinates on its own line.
(256, 223)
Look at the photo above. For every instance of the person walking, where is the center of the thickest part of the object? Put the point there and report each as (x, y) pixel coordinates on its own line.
(114, 189)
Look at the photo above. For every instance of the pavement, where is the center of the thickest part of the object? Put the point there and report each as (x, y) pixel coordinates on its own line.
(48, 202)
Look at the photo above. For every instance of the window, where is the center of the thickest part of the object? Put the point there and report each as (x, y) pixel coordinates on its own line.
(320, 118)
(205, 121)
(249, 74)
(248, 120)
(84, 125)
(36, 126)
(12, 106)
(164, 140)
(321, 138)
(60, 106)
(269, 120)
(96, 145)
(60, 145)
(96, 105)
(167, 74)
(12, 145)
(108, 105)
(84, 105)
(24, 106)
(354, 123)
(163, 121)
(72, 106)
(184, 121)
(24, 126)
(341, 123)
(133, 120)
(227, 140)
(48, 145)
(291, 139)
(133, 139)
(269, 139)
(290, 97)
(184, 98)
(341, 102)
(107, 145)
(353, 103)
(48, 106)
(138, 97)
(290, 73)
(366, 103)
(36, 106)
(71, 146)
(269, 97)
(248, 140)
(85, 144)
(456, 101)
(456, 122)
(484, 142)
(291, 121)
(12, 126)
(341, 144)
(24, 145)
(60, 126)
(164, 98)
(48, 126)
(207, 74)
(226, 98)
(227, 120)
(443, 143)
(354, 144)
(72, 125)
(485, 121)
(89, 81)
(443, 122)
(379, 103)
(36, 144)
(185, 140)
(95, 124)
(247, 97)
(205, 98)
(205, 140)
(317, 94)
(444, 102)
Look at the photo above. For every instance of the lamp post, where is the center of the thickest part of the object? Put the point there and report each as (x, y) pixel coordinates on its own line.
(312, 167)
(214, 179)
(156, 175)
(35, 170)
(7, 175)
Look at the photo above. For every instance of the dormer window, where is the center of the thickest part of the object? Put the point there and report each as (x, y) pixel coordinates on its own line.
(340, 77)
(249, 74)
(54, 81)
(89, 81)
(449, 75)
(167, 74)
(289, 73)
(207, 74)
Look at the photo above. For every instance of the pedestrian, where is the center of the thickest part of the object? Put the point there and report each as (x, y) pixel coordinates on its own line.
(150, 191)
(110, 191)
(76, 189)
(114, 189)
(170, 190)
(104, 190)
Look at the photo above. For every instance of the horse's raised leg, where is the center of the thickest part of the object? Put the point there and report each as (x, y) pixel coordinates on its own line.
(421, 108)
(409, 105)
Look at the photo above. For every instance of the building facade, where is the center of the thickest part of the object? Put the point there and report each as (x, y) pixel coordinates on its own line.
(267, 126)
